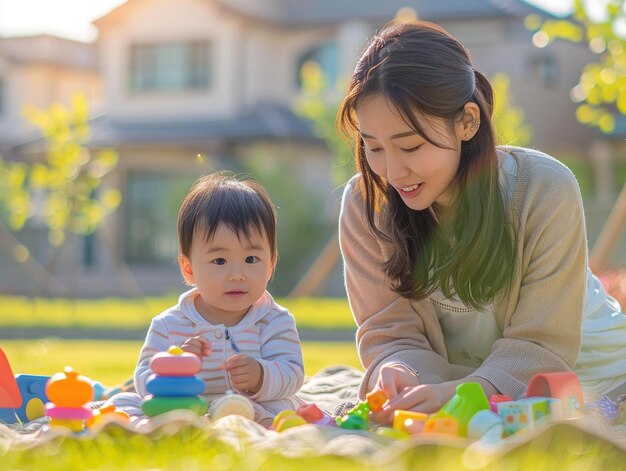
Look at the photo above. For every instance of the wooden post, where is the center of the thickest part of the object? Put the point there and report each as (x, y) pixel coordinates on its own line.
(38, 274)
(610, 234)
(316, 276)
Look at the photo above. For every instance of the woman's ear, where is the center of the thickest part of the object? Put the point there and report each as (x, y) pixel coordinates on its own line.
(186, 270)
(470, 121)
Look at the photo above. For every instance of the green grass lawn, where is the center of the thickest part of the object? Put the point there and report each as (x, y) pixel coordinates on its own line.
(320, 313)
(113, 362)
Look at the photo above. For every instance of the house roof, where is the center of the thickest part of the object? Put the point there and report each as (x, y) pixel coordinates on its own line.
(265, 121)
(48, 49)
(309, 12)
(306, 12)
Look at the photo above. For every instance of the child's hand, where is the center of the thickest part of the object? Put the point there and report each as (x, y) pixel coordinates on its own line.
(198, 345)
(246, 373)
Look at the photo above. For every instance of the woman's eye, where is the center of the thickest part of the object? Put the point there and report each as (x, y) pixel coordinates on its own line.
(373, 150)
(252, 259)
(219, 261)
(411, 149)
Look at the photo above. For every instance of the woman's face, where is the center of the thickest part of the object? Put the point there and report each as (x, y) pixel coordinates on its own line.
(421, 173)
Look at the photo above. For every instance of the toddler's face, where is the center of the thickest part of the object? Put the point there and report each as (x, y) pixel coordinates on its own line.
(231, 273)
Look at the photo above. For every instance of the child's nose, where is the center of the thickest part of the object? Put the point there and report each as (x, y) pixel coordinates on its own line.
(236, 276)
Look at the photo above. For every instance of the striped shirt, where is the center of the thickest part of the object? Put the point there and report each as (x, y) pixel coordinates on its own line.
(267, 333)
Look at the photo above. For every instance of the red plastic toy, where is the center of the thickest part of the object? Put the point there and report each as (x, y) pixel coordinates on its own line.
(10, 395)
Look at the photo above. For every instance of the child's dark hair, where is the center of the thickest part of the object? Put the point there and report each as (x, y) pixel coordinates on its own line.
(243, 205)
(424, 72)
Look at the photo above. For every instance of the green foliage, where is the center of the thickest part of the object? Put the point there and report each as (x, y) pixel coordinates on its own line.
(319, 105)
(508, 119)
(601, 90)
(112, 313)
(62, 190)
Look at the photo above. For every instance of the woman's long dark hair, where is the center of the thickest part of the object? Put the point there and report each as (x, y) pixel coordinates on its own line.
(423, 71)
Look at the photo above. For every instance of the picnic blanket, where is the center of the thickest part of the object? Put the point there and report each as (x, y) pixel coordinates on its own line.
(329, 389)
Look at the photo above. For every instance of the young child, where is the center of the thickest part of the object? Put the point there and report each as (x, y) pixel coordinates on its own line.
(247, 342)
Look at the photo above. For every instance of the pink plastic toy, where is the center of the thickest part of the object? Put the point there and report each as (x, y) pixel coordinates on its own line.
(69, 393)
(306, 414)
(310, 412)
(68, 413)
(174, 385)
(496, 399)
(559, 385)
(175, 362)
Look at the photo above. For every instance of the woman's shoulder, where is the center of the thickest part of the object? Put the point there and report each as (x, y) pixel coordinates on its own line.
(352, 190)
(352, 201)
(535, 167)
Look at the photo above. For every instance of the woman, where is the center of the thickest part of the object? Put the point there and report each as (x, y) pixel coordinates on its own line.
(463, 261)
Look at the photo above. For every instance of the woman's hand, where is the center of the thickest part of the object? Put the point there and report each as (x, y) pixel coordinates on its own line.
(393, 378)
(426, 398)
(198, 345)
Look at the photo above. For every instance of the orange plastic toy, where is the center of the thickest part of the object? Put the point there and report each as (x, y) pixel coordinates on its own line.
(376, 400)
(69, 389)
(69, 394)
(108, 412)
(10, 395)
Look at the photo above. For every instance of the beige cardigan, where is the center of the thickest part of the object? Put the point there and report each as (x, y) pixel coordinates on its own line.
(540, 316)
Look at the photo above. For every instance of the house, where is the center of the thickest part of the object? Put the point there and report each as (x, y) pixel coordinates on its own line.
(186, 87)
(38, 71)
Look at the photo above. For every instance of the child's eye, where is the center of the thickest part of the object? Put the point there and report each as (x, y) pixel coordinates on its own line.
(252, 259)
(219, 261)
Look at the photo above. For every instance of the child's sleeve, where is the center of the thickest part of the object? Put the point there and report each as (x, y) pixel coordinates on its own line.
(281, 357)
(157, 340)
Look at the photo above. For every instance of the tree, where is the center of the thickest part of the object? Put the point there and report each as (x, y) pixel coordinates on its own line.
(601, 89)
(508, 119)
(60, 191)
(319, 105)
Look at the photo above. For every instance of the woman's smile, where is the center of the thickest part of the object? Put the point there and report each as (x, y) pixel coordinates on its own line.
(410, 191)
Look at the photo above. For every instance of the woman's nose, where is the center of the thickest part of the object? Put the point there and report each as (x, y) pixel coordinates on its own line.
(396, 169)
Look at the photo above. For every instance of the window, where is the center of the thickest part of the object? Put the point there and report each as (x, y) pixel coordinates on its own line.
(327, 57)
(546, 69)
(1, 96)
(170, 66)
(152, 202)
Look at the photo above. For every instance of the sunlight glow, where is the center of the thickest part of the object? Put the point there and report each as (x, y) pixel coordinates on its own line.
(66, 18)
(72, 18)
(556, 7)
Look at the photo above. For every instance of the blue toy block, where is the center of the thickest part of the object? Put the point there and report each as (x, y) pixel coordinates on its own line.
(33, 391)
(174, 386)
(516, 416)
(539, 406)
